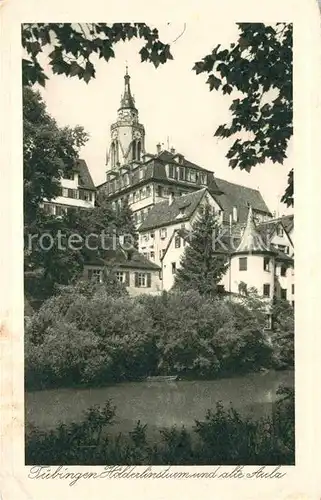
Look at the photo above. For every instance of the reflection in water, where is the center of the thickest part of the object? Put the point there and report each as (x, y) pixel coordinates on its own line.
(159, 403)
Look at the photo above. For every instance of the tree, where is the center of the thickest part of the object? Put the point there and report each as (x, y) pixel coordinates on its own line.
(202, 267)
(258, 68)
(48, 152)
(75, 44)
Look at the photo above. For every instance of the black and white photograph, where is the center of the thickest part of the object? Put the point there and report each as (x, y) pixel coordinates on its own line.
(159, 277)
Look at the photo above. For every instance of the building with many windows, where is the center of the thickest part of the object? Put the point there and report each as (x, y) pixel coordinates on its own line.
(77, 191)
(166, 192)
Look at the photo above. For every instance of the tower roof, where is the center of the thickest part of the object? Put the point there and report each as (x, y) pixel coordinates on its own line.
(251, 241)
(127, 100)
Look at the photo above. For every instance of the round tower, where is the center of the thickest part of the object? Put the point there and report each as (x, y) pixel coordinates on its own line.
(127, 134)
(252, 264)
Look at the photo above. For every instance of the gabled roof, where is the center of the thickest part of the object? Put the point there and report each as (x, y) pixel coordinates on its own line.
(118, 257)
(165, 213)
(85, 179)
(241, 197)
(287, 222)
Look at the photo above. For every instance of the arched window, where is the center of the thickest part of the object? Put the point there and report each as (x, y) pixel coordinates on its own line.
(113, 154)
(134, 150)
(139, 149)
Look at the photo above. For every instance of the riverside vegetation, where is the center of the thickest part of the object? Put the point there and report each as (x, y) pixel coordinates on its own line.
(223, 437)
(93, 334)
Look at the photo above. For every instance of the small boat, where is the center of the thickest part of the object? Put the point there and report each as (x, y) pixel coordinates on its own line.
(163, 378)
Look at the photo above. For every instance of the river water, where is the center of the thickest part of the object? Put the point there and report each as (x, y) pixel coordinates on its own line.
(158, 403)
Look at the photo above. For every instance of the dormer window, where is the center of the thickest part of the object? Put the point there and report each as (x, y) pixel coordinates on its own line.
(280, 231)
(69, 176)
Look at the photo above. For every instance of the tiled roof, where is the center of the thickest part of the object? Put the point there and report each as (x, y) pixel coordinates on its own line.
(85, 180)
(235, 195)
(180, 209)
(118, 257)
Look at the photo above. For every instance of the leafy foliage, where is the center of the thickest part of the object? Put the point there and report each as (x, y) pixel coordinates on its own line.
(74, 46)
(94, 333)
(258, 69)
(201, 266)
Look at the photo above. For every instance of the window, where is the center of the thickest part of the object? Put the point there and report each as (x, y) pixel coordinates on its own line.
(171, 171)
(148, 191)
(266, 290)
(95, 275)
(85, 195)
(282, 248)
(292, 303)
(64, 192)
(152, 235)
(173, 267)
(159, 191)
(266, 264)
(163, 233)
(152, 255)
(192, 175)
(243, 263)
(69, 175)
(268, 322)
(283, 271)
(292, 289)
(283, 293)
(49, 208)
(280, 231)
(235, 218)
(181, 173)
(60, 211)
(162, 253)
(143, 280)
(204, 179)
(120, 276)
(177, 241)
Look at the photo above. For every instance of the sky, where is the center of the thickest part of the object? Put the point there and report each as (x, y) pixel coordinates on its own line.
(174, 104)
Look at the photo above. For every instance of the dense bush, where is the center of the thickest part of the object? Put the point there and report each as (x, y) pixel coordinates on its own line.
(88, 334)
(224, 437)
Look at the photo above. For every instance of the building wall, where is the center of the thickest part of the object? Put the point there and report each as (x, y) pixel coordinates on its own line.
(154, 289)
(173, 255)
(255, 276)
(158, 244)
(72, 202)
(285, 282)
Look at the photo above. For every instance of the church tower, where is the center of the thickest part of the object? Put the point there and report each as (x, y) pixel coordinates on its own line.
(127, 134)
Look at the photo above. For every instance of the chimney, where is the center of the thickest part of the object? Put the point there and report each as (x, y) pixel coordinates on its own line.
(171, 198)
(159, 147)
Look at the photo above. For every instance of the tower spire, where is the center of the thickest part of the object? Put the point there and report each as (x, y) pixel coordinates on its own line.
(127, 100)
(251, 240)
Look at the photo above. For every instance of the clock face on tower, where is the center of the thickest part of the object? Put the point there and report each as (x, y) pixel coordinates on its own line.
(114, 134)
(137, 135)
